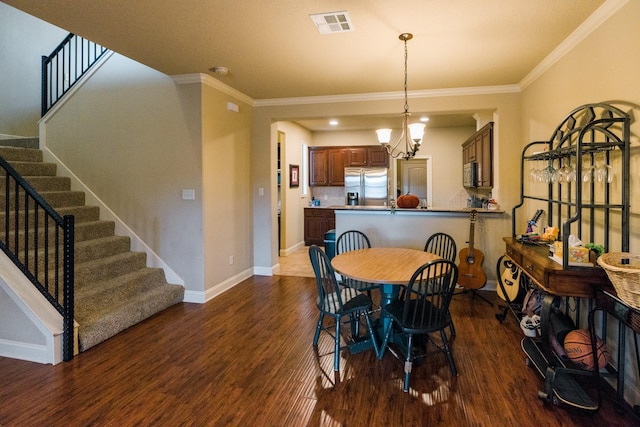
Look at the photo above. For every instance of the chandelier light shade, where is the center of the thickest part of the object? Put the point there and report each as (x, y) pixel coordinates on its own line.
(412, 133)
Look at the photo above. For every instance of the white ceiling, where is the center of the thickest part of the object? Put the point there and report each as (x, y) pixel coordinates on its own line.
(273, 50)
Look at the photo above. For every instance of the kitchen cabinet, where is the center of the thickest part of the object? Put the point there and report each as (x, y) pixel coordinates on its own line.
(479, 149)
(327, 164)
(357, 156)
(377, 156)
(317, 221)
(337, 163)
(318, 167)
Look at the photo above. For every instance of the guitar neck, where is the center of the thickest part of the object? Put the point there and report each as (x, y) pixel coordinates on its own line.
(471, 234)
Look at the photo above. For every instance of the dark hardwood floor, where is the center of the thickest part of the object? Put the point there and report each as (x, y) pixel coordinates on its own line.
(245, 359)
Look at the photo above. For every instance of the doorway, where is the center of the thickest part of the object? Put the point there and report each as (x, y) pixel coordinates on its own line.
(414, 176)
(280, 160)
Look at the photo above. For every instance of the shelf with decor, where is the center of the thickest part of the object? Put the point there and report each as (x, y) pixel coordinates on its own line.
(580, 176)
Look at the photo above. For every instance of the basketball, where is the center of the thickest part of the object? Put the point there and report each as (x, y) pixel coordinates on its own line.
(577, 345)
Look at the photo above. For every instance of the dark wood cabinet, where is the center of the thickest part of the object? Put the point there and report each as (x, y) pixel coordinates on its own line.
(484, 156)
(479, 149)
(318, 167)
(357, 156)
(327, 164)
(377, 156)
(317, 221)
(337, 163)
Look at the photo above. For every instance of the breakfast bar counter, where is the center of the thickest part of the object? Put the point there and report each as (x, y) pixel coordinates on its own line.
(410, 228)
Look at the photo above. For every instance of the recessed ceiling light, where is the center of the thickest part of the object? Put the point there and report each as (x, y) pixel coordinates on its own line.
(424, 119)
(333, 122)
(332, 22)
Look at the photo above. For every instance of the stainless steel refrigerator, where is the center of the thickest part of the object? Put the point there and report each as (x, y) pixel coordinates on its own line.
(371, 185)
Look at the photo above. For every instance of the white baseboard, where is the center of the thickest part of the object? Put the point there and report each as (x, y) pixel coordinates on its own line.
(202, 297)
(26, 351)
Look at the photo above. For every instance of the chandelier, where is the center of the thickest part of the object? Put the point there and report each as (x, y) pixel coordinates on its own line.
(412, 133)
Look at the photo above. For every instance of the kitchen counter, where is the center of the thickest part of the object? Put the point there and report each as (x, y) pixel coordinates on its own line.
(413, 210)
(410, 228)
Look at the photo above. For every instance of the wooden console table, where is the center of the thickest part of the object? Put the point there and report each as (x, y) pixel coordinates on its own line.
(534, 260)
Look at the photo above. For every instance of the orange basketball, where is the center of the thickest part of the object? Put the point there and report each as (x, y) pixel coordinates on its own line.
(577, 344)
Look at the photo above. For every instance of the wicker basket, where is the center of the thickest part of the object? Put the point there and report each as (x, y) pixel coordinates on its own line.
(623, 270)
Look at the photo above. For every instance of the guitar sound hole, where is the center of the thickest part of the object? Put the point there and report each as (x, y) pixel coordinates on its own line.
(470, 260)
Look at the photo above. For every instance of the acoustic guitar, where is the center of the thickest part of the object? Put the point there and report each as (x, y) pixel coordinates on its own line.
(470, 272)
(510, 279)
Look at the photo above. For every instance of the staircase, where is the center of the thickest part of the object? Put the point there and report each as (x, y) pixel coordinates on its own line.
(114, 289)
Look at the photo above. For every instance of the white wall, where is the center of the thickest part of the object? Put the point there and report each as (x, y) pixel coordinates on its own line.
(23, 41)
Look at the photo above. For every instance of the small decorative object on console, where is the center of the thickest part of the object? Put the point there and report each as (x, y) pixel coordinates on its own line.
(408, 201)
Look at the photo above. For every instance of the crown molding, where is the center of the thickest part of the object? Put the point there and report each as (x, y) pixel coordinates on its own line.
(207, 80)
(590, 24)
(381, 96)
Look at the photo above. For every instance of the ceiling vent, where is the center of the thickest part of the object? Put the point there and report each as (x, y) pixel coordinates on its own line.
(332, 22)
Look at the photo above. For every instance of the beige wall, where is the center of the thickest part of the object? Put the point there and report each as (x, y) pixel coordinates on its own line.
(134, 138)
(602, 68)
(23, 41)
(226, 191)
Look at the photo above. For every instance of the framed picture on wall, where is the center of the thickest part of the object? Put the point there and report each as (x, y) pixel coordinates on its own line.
(294, 176)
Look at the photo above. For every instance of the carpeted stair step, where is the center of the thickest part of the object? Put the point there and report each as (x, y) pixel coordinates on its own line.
(44, 183)
(86, 230)
(102, 325)
(19, 142)
(108, 267)
(57, 199)
(90, 298)
(93, 230)
(101, 247)
(15, 154)
(27, 169)
(80, 213)
(85, 251)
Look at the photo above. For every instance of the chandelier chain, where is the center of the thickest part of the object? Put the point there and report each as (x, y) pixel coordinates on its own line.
(406, 100)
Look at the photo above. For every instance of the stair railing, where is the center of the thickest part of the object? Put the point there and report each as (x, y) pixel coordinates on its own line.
(41, 243)
(65, 66)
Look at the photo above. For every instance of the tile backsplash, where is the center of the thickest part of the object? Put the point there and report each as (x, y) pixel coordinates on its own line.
(329, 196)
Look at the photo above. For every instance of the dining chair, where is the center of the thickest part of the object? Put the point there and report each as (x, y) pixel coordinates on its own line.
(444, 246)
(339, 303)
(421, 314)
(348, 241)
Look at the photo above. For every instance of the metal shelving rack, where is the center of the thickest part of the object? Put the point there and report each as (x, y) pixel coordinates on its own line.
(591, 209)
(585, 209)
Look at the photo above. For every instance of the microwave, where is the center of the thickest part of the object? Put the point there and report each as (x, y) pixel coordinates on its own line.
(470, 174)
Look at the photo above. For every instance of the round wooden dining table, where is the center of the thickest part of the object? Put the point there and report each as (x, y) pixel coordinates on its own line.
(391, 268)
(385, 266)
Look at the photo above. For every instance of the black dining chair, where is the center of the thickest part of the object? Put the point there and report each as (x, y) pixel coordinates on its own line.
(421, 314)
(339, 303)
(444, 246)
(349, 241)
